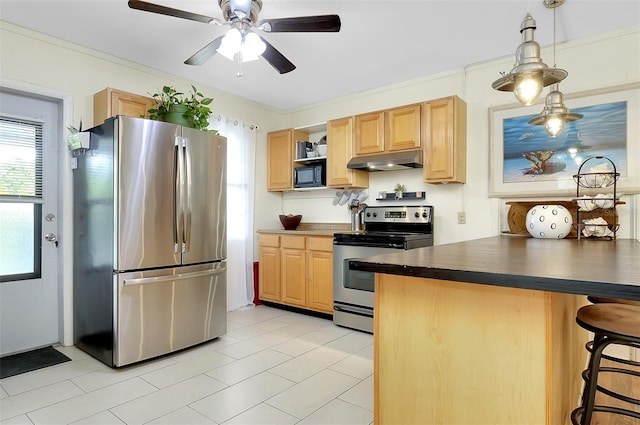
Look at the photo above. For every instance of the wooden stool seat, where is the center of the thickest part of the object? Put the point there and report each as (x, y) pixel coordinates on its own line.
(601, 300)
(611, 324)
(620, 319)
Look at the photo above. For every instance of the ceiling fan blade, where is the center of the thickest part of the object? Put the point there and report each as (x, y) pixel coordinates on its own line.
(319, 23)
(205, 53)
(277, 59)
(169, 11)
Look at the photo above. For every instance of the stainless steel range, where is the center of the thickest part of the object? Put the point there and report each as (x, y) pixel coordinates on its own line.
(386, 229)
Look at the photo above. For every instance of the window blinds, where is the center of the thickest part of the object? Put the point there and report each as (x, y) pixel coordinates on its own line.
(20, 160)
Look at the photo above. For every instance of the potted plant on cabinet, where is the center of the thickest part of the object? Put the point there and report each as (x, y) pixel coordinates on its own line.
(190, 110)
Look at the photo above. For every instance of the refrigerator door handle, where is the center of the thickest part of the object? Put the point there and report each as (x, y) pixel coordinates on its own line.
(188, 195)
(180, 194)
(180, 276)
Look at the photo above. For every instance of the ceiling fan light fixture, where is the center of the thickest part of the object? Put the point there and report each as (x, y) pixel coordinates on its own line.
(231, 43)
(246, 43)
(252, 47)
(555, 114)
(529, 74)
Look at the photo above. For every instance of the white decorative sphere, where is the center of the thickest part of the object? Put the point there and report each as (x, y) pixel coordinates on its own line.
(549, 221)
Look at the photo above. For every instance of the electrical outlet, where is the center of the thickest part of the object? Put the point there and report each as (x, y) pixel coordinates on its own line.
(462, 217)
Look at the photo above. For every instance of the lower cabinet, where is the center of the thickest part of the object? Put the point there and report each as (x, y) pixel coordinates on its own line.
(320, 274)
(269, 274)
(297, 271)
(293, 270)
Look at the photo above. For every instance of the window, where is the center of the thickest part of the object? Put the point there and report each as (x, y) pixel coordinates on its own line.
(20, 199)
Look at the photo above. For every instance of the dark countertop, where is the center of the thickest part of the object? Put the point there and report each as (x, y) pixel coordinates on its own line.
(606, 268)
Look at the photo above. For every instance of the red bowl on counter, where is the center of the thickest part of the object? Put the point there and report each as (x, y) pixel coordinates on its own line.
(290, 222)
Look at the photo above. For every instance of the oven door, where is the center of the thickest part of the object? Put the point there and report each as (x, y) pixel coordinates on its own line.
(354, 287)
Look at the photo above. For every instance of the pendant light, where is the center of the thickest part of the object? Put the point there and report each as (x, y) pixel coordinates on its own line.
(529, 74)
(555, 114)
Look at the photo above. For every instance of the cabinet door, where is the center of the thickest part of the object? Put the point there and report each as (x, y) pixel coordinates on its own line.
(280, 160)
(402, 128)
(269, 273)
(111, 102)
(445, 140)
(293, 276)
(320, 274)
(339, 152)
(369, 133)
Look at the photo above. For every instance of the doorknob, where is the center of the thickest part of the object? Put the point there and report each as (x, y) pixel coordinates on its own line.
(51, 237)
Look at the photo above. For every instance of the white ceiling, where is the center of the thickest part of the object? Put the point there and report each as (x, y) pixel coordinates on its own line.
(380, 43)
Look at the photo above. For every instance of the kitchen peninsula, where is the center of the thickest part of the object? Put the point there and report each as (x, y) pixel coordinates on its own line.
(484, 331)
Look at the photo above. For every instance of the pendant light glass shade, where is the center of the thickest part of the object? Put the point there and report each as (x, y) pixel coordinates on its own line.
(555, 114)
(529, 74)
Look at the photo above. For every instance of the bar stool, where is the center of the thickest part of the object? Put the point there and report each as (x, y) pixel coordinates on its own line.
(611, 324)
(601, 300)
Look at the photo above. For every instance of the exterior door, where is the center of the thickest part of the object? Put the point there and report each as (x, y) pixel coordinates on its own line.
(30, 313)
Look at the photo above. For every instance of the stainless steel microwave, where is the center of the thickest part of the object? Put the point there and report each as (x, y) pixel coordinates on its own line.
(313, 175)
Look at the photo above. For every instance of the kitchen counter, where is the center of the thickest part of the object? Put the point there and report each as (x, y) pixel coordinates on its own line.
(484, 331)
(586, 266)
(312, 229)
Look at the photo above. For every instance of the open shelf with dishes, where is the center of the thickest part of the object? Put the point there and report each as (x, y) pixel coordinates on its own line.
(597, 198)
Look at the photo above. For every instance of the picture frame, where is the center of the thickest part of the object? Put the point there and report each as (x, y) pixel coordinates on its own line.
(609, 128)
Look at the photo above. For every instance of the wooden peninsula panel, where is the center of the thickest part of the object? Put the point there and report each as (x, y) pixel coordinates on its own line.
(449, 352)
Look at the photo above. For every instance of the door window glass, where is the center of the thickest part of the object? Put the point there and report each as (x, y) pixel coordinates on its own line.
(20, 199)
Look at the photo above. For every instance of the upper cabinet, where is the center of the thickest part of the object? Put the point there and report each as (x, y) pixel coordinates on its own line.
(390, 130)
(111, 102)
(280, 155)
(369, 133)
(339, 152)
(444, 137)
(402, 128)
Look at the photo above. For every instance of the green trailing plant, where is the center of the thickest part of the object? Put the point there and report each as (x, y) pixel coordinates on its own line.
(197, 111)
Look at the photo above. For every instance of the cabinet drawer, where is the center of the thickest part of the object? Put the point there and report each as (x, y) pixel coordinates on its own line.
(295, 242)
(270, 240)
(321, 244)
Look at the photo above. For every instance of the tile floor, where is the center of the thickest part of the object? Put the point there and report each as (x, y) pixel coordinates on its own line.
(272, 367)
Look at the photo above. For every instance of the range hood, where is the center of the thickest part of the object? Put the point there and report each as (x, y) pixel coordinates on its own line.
(387, 161)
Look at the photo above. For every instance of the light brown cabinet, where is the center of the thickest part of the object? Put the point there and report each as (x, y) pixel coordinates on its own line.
(293, 270)
(280, 155)
(297, 271)
(369, 129)
(445, 140)
(402, 128)
(391, 130)
(269, 270)
(110, 102)
(339, 152)
(320, 274)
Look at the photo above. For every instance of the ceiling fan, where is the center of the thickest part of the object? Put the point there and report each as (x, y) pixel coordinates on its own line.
(242, 40)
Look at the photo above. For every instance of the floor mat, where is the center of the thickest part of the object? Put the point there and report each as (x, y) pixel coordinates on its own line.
(16, 364)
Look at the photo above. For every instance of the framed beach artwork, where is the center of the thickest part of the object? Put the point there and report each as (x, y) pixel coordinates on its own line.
(525, 161)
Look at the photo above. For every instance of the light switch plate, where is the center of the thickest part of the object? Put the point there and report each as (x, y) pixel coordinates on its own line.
(462, 217)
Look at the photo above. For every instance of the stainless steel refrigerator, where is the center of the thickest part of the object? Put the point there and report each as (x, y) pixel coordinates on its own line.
(149, 240)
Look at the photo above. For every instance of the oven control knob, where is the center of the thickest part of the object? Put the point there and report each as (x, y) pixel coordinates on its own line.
(368, 214)
(375, 214)
(417, 214)
(424, 214)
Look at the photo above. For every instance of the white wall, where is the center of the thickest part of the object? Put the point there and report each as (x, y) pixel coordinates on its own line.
(597, 62)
